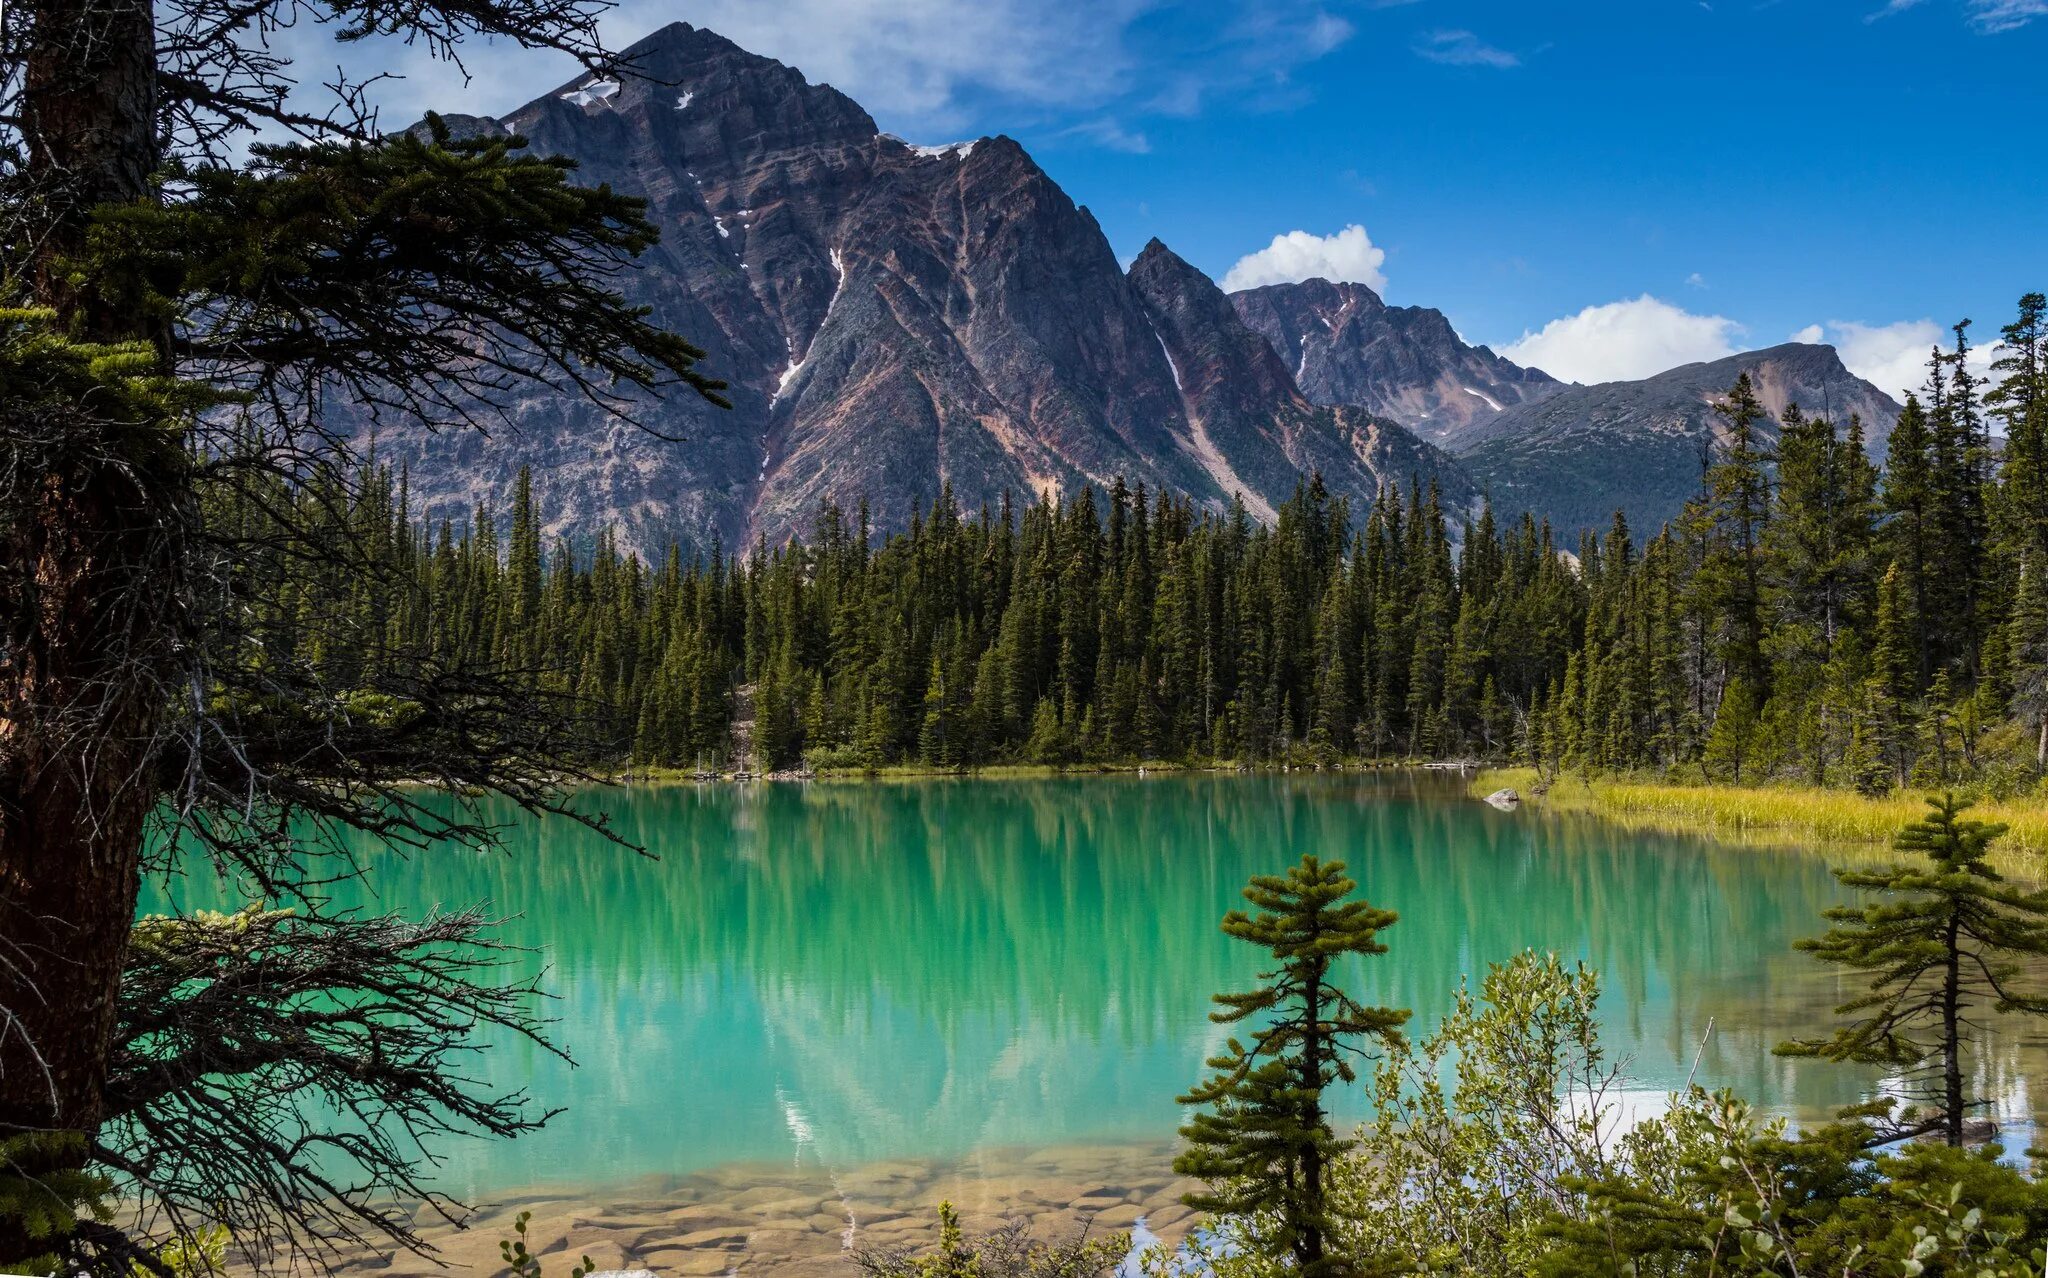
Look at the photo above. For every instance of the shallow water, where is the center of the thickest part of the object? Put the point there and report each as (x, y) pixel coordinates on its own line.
(954, 974)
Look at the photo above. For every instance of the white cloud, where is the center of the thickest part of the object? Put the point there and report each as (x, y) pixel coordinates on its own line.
(1988, 16)
(923, 67)
(1993, 16)
(913, 61)
(1696, 280)
(1255, 52)
(1463, 49)
(914, 58)
(1108, 133)
(1348, 255)
(1625, 340)
(1811, 335)
(1893, 357)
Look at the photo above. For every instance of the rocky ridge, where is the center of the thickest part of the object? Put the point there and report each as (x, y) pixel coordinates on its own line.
(1577, 456)
(896, 322)
(1405, 363)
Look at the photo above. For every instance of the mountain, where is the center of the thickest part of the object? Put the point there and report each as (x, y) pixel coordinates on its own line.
(1583, 452)
(1346, 346)
(895, 320)
(1249, 423)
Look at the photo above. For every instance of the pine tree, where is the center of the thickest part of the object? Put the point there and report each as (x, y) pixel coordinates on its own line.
(1738, 510)
(1961, 454)
(1887, 717)
(1910, 528)
(1266, 1144)
(2027, 653)
(1733, 739)
(1944, 940)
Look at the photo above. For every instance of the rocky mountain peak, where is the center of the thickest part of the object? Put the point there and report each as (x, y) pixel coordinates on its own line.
(1249, 425)
(693, 93)
(1215, 352)
(894, 319)
(1347, 346)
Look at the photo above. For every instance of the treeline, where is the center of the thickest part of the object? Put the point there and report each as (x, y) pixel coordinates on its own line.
(1809, 615)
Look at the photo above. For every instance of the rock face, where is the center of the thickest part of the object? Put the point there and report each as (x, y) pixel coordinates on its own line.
(1346, 346)
(894, 321)
(1577, 456)
(1248, 422)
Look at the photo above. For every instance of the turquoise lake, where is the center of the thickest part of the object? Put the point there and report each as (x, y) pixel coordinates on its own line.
(839, 973)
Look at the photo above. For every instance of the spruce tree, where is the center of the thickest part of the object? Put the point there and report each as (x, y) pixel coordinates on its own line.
(1738, 494)
(2027, 653)
(1945, 940)
(1265, 1144)
(1910, 528)
(230, 258)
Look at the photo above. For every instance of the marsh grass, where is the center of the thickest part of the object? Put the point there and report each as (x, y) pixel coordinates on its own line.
(1777, 816)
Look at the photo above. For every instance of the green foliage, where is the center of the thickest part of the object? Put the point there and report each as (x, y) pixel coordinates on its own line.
(201, 1254)
(320, 257)
(1738, 1196)
(1504, 1146)
(45, 1194)
(521, 1263)
(66, 406)
(1266, 1144)
(1945, 937)
(1465, 1176)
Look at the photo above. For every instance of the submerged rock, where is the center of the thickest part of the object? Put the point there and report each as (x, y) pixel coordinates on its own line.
(1505, 800)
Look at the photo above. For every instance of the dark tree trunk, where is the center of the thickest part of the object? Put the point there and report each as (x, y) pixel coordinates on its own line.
(1951, 1040)
(1311, 1234)
(75, 724)
(84, 596)
(89, 117)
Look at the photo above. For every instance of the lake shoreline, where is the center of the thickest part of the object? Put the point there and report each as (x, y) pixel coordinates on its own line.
(1778, 817)
(1030, 771)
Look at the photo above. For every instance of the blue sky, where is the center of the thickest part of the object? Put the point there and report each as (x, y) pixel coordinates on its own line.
(1626, 184)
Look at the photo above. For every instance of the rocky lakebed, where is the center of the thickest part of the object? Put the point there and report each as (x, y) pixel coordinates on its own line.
(803, 1221)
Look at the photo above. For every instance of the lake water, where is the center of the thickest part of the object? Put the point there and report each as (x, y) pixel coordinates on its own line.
(829, 976)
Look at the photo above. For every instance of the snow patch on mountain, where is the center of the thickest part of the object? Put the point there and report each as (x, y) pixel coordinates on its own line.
(958, 149)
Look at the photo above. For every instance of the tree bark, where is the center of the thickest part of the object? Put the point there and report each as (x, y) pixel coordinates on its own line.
(82, 587)
(88, 106)
(75, 725)
(1310, 1243)
(1951, 1039)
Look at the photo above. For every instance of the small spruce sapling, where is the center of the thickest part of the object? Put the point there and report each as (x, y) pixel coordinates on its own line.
(1942, 941)
(1264, 1143)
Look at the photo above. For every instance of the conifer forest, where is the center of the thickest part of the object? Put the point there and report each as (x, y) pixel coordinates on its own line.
(1813, 616)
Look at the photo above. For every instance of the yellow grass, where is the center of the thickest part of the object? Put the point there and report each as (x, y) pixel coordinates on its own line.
(1778, 816)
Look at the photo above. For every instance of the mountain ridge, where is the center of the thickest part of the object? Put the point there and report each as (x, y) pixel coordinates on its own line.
(899, 321)
(894, 321)
(1577, 456)
(1406, 363)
